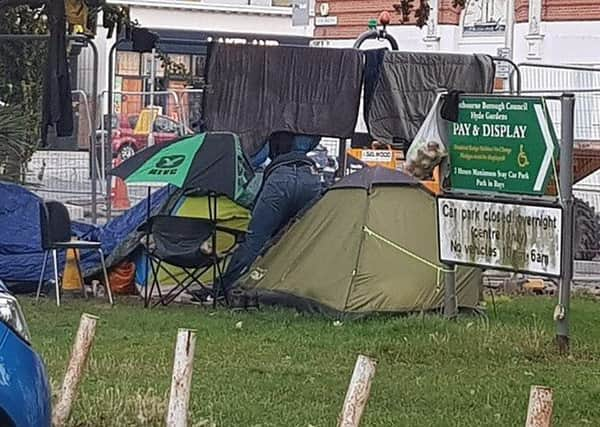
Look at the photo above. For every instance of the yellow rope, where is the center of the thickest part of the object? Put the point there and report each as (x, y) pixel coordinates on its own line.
(407, 252)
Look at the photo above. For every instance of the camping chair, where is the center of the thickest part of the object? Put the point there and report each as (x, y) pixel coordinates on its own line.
(55, 227)
(189, 244)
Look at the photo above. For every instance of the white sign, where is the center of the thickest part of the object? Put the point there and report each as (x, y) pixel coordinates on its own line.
(517, 237)
(503, 68)
(378, 156)
(326, 21)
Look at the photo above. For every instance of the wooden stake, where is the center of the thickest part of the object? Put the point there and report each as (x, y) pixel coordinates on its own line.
(79, 355)
(181, 381)
(539, 413)
(358, 392)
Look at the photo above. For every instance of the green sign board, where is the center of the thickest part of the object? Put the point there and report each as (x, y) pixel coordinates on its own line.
(502, 145)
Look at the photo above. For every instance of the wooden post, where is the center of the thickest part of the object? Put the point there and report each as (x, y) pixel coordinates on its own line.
(79, 355)
(539, 413)
(358, 392)
(181, 381)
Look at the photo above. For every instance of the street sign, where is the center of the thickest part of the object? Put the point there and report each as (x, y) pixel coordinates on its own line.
(500, 235)
(326, 21)
(503, 68)
(502, 145)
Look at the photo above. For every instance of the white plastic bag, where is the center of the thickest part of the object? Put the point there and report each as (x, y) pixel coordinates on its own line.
(427, 149)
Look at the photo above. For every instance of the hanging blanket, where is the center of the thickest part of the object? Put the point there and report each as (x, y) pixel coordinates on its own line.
(406, 88)
(257, 90)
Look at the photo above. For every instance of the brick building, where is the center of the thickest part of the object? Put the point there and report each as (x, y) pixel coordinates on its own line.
(551, 31)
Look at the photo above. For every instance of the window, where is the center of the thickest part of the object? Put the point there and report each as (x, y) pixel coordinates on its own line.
(483, 17)
(147, 65)
(128, 63)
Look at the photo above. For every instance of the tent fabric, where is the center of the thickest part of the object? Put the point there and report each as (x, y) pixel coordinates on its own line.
(21, 253)
(360, 252)
(369, 176)
(282, 88)
(406, 88)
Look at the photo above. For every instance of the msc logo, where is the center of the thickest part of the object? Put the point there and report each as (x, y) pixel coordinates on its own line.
(167, 165)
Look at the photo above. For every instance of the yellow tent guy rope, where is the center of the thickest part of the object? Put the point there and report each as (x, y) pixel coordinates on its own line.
(407, 252)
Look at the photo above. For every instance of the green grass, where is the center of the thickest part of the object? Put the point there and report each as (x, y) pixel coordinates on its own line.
(284, 369)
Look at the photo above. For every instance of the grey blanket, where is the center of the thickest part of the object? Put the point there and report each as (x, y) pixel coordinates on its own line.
(407, 85)
(255, 91)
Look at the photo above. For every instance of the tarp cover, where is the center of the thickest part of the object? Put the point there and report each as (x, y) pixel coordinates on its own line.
(21, 254)
(407, 84)
(258, 90)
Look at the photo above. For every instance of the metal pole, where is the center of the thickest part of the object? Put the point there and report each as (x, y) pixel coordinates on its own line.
(376, 35)
(108, 156)
(509, 31)
(342, 158)
(561, 313)
(450, 300)
(93, 147)
(152, 77)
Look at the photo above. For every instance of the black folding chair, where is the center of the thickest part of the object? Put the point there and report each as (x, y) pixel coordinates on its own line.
(189, 244)
(55, 226)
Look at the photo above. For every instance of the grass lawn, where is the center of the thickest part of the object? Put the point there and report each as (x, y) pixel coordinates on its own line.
(284, 369)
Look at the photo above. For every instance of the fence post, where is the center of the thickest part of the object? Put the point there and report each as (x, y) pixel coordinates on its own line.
(181, 381)
(566, 193)
(79, 355)
(450, 300)
(358, 392)
(539, 412)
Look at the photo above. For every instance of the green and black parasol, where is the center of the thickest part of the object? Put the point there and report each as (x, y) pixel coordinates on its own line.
(213, 162)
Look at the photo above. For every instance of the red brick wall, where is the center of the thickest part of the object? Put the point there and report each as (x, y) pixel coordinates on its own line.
(570, 10)
(354, 15)
(447, 14)
(521, 11)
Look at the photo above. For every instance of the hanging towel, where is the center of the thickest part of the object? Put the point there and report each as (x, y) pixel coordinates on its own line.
(258, 90)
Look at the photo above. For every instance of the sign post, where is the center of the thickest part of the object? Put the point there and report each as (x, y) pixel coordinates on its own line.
(502, 145)
(501, 235)
(561, 313)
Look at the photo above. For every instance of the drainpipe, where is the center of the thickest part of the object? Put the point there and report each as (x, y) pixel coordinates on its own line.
(509, 32)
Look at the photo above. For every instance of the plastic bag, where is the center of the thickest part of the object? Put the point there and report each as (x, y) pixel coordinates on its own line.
(427, 149)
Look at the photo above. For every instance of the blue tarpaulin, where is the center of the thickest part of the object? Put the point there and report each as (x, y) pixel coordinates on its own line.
(21, 253)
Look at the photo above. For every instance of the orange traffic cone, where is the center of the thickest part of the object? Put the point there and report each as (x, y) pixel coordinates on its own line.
(119, 194)
(72, 280)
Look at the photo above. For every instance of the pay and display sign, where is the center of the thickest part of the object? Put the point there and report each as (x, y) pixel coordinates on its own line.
(502, 145)
(516, 237)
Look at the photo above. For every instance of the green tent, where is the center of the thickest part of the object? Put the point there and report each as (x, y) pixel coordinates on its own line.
(369, 245)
